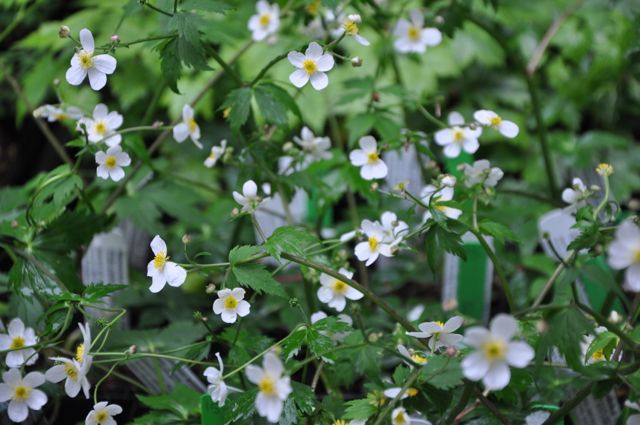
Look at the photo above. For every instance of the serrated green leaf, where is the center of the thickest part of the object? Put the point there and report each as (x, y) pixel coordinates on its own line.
(304, 398)
(359, 409)
(95, 292)
(242, 253)
(181, 401)
(239, 100)
(170, 64)
(216, 6)
(256, 277)
(499, 231)
(442, 372)
(272, 110)
(290, 239)
(292, 344)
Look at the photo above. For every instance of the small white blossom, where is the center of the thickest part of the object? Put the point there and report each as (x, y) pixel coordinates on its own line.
(273, 386)
(482, 173)
(314, 148)
(412, 36)
(491, 119)
(110, 163)
(231, 304)
(57, 112)
(187, 128)
(84, 63)
(74, 371)
(21, 393)
(394, 391)
(368, 158)
(596, 356)
(433, 196)
(216, 154)
(399, 416)
(335, 292)
(458, 137)
(440, 334)
(375, 244)
(266, 22)
(633, 419)
(102, 414)
(102, 127)
(624, 253)
(350, 26)
(412, 355)
(393, 228)
(576, 195)
(346, 237)
(161, 270)
(217, 388)
(495, 352)
(249, 198)
(312, 66)
(20, 340)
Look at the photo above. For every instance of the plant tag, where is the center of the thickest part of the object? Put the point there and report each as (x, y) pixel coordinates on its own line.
(404, 166)
(272, 213)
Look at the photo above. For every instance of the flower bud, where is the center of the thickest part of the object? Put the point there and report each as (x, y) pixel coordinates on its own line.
(287, 147)
(356, 61)
(210, 289)
(450, 304)
(235, 212)
(157, 124)
(56, 82)
(132, 349)
(438, 20)
(64, 31)
(594, 188)
(542, 326)
(115, 38)
(186, 238)
(451, 351)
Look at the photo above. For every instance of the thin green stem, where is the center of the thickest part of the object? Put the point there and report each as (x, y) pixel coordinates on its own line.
(430, 117)
(384, 415)
(157, 9)
(568, 406)
(605, 199)
(556, 273)
(106, 375)
(126, 357)
(152, 38)
(462, 403)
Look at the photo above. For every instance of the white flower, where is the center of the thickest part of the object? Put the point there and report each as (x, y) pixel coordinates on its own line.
(74, 374)
(103, 126)
(337, 336)
(412, 37)
(311, 65)
(82, 350)
(346, 237)
(413, 355)
(274, 388)
(596, 356)
(216, 154)
(57, 113)
(495, 352)
(576, 195)
(624, 253)
(102, 414)
(110, 163)
(231, 304)
(20, 340)
(433, 196)
(441, 334)
(187, 128)
(161, 270)
(265, 22)
(22, 393)
(335, 292)
(84, 63)
(374, 246)
(482, 173)
(394, 391)
(393, 228)
(399, 416)
(249, 198)
(350, 26)
(537, 418)
(489, 118)
(217, 388)
(368, 158)
(314, 148)
(458, 138)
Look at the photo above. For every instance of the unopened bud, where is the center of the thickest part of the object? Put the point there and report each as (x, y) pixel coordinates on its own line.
(294, 302)
(132, 349)
(210, 289)
(14, 224)
(634, 204)
(64, 31)
(235, 212)
(356, 61)
(157, 124)
(375, 96)
(451, 351)
(115, 38)
(438, 20)
(186, 238)
(287, 146)
(56, 82)
(594, 188)
(226, 112)
(542, 326)
(450, 304)
(374, 186)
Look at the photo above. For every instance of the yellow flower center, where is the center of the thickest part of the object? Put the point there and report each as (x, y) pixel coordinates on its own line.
(230, 303)
(604, 169)
(340, 422)
(636, 255)
(495, 121)
(400, 418)
(226, 112)
(101, 416)
(191, 123)
(373, 243)
(412, 392)
(85, 59)
(111, 161)
(21, 392)
(267, 386)
(598, 356)
(418, 358)
(79, 352)
(441, 324)
(339, 286)
(313, 9)
(160, 260)
(458, 135)
(373, 157)
(265, 19)
(61, 116)
(70, 371)
(494, 349)
(309, 66)
(17, 342)
(100, 127)
(413, 33)
(351, 27)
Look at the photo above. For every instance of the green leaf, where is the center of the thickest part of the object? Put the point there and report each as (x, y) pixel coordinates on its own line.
(499, 231)
(292, 344)
(289, 239)
(216, 6)
(190, 49)
(359, 409)
(318, 343)
(359, 126)
(604, 342)
(567, 328)
(181, 401)
(94, 293)
(256, 277)
(283, 97)
(239, 100)
(272, 109)
(304, 397)
(170, 64)
(442, 372)
(240, 407)
(242, 253)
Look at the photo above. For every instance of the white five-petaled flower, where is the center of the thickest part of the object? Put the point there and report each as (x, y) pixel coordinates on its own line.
(482, 173)
(375, 245)
(187, 128)
(110, 163)
(394, 391)
(412, 36)
(274, 388)
(217, 388)
(491, 119)
(265, 22)
(393, 228)
(596, 356)
(440, 334)
(495, 352)
(161, 270)
(249, 198)
(458, 137)
(368, 158)
(399, 416)
(20, 340)
(311, 65)
(576, 195)
(22, 393)
(624, 253)
(314, 148)
(633, 419)
(216, 154)
(350, 26)
(231, 304)
(57, 112)
(74, 371)
(102, 127)
(334, 292)
(102, 414)
(412, 355)
(84, 63)
(433, 196)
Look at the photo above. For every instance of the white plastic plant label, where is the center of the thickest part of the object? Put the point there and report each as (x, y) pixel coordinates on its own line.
(403, 166)
(272, 213)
